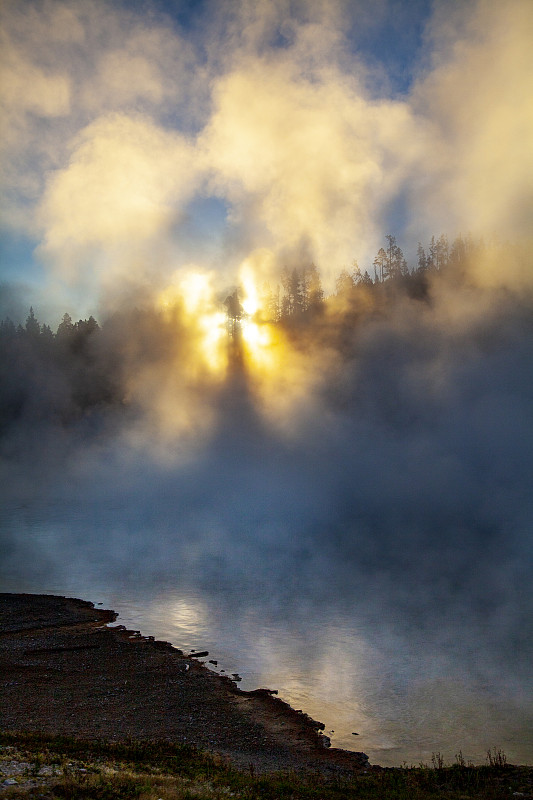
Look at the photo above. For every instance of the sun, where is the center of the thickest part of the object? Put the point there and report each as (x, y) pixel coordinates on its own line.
(191, 298)
(217, 341)
(258, 340)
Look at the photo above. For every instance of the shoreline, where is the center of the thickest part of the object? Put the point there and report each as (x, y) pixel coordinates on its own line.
(69, 673)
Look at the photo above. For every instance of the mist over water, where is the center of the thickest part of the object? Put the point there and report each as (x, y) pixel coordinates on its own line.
(369, 555)
(341, 510)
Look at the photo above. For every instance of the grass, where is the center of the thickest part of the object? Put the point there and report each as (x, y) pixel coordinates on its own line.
(99, 770)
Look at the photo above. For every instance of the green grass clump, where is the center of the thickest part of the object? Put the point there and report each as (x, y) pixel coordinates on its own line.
(100, 770)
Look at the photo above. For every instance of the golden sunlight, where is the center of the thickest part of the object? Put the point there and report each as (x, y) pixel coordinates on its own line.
(257, 337)
(192, 297)
(192, 293)
(225, 336)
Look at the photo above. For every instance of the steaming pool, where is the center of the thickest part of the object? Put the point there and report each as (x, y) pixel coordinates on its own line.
(409, 682)
(324, 479)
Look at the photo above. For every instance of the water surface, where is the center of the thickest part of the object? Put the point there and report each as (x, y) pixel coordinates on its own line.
(358, 655)
(366, 550)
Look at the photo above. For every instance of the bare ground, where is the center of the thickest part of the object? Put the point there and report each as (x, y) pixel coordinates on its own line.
(64, 672)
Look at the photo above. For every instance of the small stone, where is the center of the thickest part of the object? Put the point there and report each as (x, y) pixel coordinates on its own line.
(10, 782)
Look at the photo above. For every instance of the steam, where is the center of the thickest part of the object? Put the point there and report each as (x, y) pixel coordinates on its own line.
(476, 97)
(125, 184)
(116, 123)
(376, 462)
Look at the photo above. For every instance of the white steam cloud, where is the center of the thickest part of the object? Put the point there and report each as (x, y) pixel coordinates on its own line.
(116, 121)
(369, 463)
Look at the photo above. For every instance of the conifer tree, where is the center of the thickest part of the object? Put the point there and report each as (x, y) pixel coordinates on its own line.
(33, 328)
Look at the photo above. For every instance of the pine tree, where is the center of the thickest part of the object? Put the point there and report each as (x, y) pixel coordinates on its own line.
(33, 328)
(292, 301)
(396, 264)
(422, 258)
(315, 292)
(65, 328)
(380, 265)
(344, 283)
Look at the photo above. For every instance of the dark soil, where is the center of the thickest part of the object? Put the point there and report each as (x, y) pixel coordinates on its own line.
(64, 672)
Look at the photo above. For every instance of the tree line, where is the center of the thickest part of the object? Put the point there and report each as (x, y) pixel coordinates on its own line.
(300, 293)
(82, 366)
(60, 376)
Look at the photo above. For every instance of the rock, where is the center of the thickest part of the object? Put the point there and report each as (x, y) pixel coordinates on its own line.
(10, 782)
(200, 654)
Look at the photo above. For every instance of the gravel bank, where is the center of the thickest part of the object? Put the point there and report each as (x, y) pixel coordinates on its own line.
(63, 671)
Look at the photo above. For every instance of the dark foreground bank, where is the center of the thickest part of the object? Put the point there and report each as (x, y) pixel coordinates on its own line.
(89, 711)
(65, 673)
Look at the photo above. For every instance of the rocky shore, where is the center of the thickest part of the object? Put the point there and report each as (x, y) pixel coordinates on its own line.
(63, 671)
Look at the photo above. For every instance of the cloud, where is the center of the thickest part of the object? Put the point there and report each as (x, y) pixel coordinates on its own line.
(30, 92)
(29, 89)
(301, 157)
(477, 97)
(308, 162)
(269, 108)
(126, 183)
(65, 65)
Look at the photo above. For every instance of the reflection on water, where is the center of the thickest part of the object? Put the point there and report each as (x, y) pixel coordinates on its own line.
(407, 685)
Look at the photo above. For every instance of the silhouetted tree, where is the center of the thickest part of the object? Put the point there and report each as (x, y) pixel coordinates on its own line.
(380, 265)
(344, 284)
(7, 329)
(33, 328)
(65, 328)
(292, 299)
(234, 311)
(438, 255)
(314, 293)
(396, 263)
(422, 262)
(47, 334)
(460, 253)
(272, 303)
(390, 261)
(359, 278)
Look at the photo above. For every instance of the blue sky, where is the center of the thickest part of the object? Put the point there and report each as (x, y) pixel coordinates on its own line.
(142, 138)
